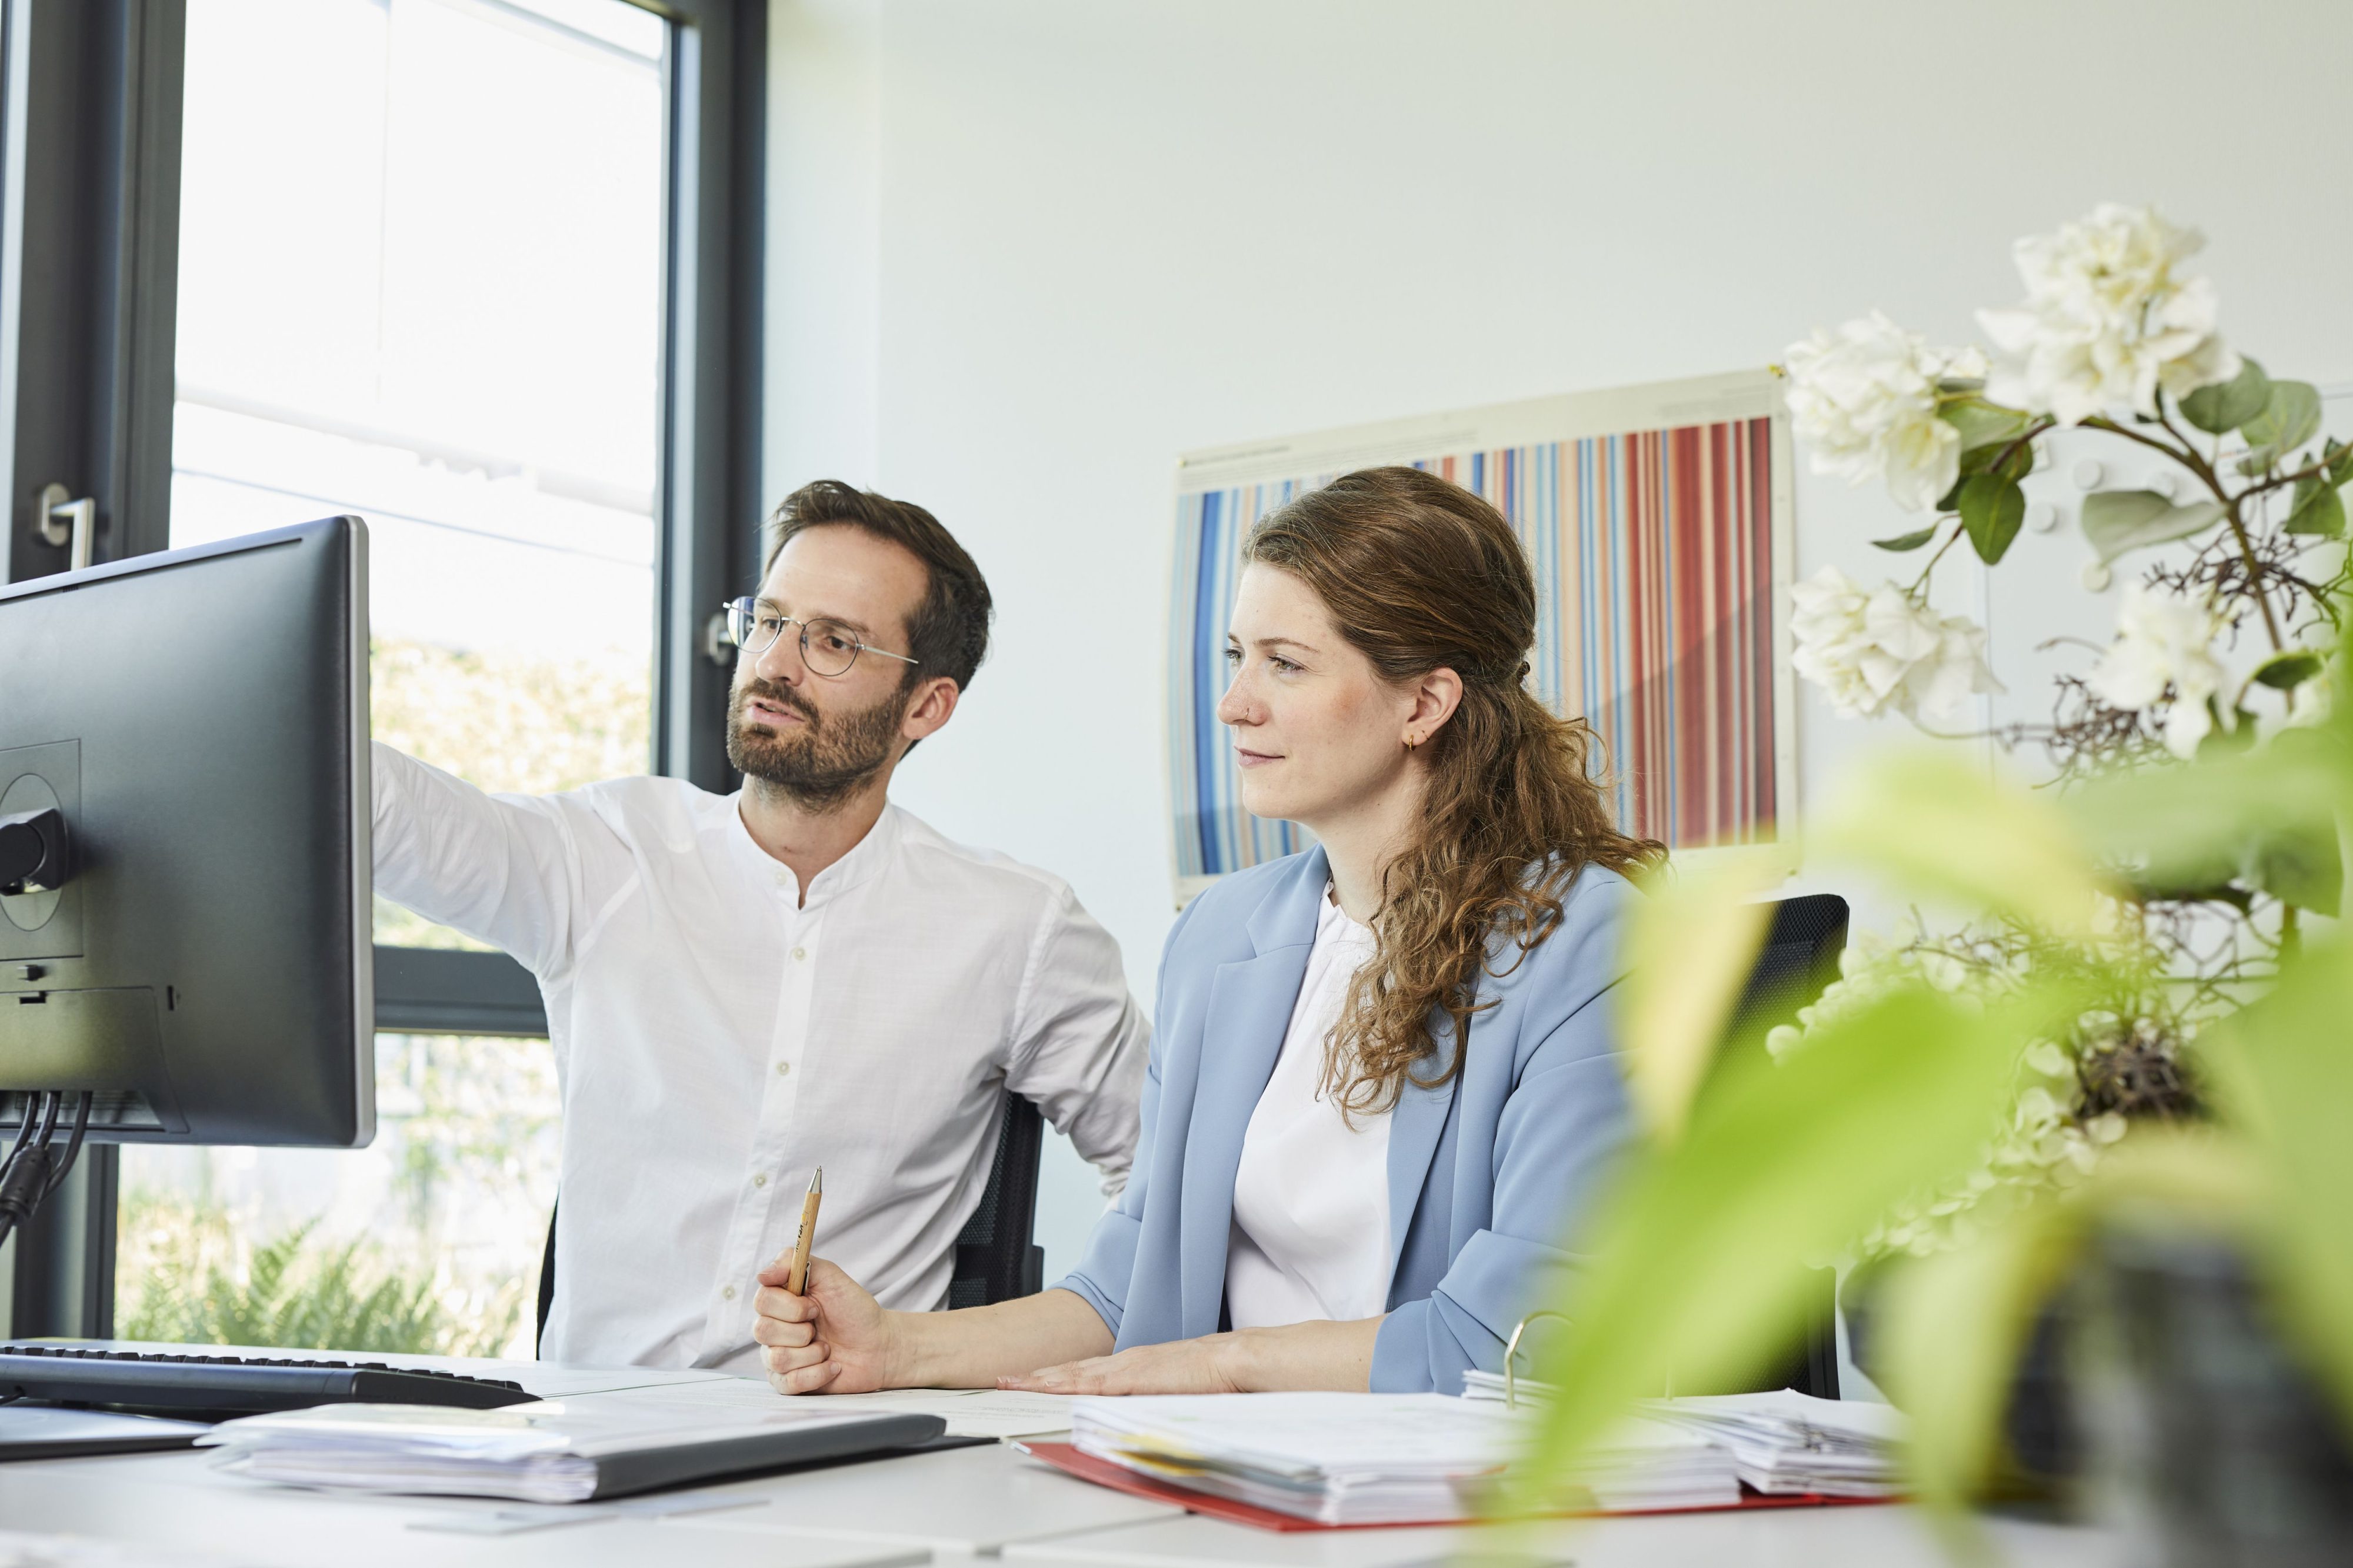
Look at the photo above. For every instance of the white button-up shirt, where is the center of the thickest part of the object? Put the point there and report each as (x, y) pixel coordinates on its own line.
(1310, 1225)
(718, 1037)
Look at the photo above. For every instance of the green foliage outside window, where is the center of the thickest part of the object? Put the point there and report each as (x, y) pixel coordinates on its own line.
(196, 1286)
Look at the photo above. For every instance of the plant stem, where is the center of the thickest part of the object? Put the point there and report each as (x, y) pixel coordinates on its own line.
(1921, 582)
(2255, 577)
(2189, 457)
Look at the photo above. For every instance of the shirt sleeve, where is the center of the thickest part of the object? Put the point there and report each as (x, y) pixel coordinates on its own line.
(1107, 1268)
(1081, 1041)
(504, 869)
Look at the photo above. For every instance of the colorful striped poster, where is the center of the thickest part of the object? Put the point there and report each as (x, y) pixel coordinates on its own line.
(1659, 550)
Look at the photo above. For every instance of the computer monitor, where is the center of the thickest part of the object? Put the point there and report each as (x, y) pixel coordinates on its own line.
(191, 952)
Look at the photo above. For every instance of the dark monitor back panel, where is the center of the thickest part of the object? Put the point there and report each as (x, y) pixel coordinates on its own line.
(201, 719)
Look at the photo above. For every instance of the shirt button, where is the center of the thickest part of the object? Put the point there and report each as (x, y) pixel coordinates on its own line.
(761, 1180)
(800, 952)
(729, 1293)
(784, 1070)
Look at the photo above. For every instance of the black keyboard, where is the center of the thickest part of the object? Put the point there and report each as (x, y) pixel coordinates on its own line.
(150, 1380)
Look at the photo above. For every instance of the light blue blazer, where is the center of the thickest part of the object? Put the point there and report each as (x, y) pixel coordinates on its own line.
(1491, 1173)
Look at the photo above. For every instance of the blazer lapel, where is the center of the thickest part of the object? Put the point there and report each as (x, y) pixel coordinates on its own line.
(1249, 1009)
(1415, 1128)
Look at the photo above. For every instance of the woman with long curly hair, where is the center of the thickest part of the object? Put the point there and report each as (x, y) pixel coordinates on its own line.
(1383, 1087)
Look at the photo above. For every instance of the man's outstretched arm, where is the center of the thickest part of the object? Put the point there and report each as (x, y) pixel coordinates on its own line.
(504, 870)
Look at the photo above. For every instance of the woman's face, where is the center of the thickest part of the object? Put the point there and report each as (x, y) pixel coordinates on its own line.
(1318, 733)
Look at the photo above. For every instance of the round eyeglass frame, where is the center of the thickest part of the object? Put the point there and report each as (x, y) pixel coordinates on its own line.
(744, 630)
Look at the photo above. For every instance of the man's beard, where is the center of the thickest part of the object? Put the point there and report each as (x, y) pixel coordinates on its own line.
(831, 759)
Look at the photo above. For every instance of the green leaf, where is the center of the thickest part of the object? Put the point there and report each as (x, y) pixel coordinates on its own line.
(2116, 521)
(2280, 1069)
(2288, 420)
(1957, 1324)
(2233, 732)
(2190, 826)
(2227, 404)
(1911, 541)
(2286, 671)
(2340, 461)
(1940, 829)
(2306, 868)
(1992, 509)
(1689, 949)
(1696, 1256)
(2318, 509)
(1983, 424)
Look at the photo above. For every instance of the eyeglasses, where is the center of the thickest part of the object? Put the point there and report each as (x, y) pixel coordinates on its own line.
(827, 647)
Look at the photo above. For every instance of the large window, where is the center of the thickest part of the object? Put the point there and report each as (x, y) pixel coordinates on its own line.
(482, 272)
(438, 305)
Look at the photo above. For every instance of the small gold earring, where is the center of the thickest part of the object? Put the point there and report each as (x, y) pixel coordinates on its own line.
(1411, 741)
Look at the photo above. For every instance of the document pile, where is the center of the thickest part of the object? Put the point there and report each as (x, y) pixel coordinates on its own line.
(1787, 1442)
(1357, 1458)
(549, 1451)
(1783, 1443)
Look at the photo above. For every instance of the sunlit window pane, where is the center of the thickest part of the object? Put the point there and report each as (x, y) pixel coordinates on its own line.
(421, 257)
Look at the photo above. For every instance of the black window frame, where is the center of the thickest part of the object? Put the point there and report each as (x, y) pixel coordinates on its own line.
(90, 112)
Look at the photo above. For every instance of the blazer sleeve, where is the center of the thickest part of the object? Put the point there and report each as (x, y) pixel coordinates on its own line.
(1561, 1129)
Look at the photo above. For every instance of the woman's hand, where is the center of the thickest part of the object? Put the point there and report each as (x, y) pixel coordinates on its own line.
(1207, 1365)
(837, 1339)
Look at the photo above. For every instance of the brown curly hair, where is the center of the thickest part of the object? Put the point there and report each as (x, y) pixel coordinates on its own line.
(1419, 575)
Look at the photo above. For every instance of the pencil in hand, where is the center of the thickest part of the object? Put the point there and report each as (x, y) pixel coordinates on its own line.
(796, 1279)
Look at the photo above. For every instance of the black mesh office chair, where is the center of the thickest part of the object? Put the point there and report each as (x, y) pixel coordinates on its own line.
(995, 1259)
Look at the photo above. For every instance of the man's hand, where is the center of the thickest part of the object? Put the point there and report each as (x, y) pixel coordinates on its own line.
(835, 1339)
(1208, 1365)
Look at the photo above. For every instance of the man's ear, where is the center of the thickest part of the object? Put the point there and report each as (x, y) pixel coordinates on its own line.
(934, 704)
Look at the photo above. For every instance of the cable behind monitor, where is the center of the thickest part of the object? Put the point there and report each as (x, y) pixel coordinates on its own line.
(34, 1167)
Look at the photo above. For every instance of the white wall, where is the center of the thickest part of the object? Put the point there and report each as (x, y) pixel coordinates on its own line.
(1022, 254)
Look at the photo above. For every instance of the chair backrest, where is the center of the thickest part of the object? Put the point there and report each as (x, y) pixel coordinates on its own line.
(1800, 956)
(995, 1259)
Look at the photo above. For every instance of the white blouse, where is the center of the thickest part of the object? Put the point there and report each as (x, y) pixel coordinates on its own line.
(1310, 1225)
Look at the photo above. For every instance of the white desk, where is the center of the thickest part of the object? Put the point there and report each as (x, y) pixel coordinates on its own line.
(945, 1508)
(177, 1503)
(1873, 1537)
(949, 1507)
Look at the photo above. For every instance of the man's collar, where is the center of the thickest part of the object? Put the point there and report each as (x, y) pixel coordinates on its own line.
(864, 859)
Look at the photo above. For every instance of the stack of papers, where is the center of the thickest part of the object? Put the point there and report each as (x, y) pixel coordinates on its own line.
(548, 1451)
(1357, 1458)
(1788, 1443)
(1490, 1386)
(1784, 1443)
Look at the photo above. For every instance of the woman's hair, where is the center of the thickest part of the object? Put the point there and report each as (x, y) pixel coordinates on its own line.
(1421, 575)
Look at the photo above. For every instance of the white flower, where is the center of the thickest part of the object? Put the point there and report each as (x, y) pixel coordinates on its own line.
(1863, 400)
(2107, 320)
(1880, 650)
(2163, 641)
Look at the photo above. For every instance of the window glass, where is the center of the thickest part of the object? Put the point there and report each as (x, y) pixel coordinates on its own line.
(421, 273)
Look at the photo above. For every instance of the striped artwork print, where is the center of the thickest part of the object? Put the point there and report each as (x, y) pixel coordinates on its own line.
(1653, 558)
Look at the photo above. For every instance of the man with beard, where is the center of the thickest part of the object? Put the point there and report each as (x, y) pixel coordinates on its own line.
(741, 988)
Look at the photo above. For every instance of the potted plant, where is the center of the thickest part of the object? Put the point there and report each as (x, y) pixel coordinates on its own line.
(2119, 1043)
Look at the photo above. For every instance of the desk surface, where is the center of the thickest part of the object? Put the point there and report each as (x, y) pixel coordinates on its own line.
(947, 1507)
